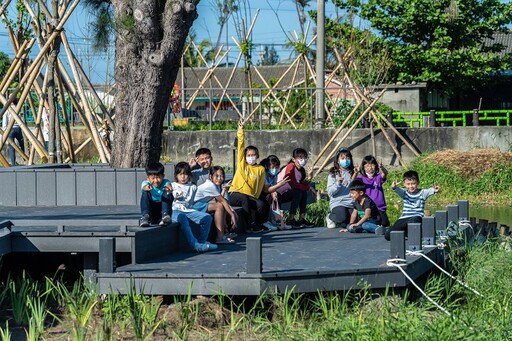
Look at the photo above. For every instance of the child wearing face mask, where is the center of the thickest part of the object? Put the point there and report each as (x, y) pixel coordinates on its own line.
(296, 190)
(248, 183)
(338, 189)
(373, 175)
(272, 166)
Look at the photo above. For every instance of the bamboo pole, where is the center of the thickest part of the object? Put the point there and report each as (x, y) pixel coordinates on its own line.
(7, 102)
(18, 61)
(68, 138)
(102, 149)
(413, 150)
(275, 97)
(68, 85)
(288, 95)
(40, 56)
(4, 6)
(338, 131)
(42, 103)
(93, 91)
(360, 118)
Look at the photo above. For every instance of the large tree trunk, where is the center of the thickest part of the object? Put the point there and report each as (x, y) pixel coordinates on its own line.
(149, 44)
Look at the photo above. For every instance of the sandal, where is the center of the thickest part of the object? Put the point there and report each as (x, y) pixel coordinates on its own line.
(231, 235)
(225, 240)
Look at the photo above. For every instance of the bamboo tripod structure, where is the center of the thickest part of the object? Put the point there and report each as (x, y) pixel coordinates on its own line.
(47, 26)
(369, 112)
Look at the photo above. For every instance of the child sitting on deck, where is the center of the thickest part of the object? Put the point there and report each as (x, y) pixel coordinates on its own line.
(296, 190)
(272, 166)
(156, 196)
(209, 199)
(184, 192)
(365, 216)
(414, 201)
(338, 181)
(373, 175)
(248, 183)
(201, 165)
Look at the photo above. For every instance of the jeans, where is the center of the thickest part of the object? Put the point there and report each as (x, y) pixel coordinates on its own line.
(155, 209)
(368, 226)
(18, 135)
(203, 219)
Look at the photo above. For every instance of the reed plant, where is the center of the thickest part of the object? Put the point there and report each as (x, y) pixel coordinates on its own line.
(20, 290)
(38, 312)
(188, 314)
(79, 303)
(143, 312)
(5, 332)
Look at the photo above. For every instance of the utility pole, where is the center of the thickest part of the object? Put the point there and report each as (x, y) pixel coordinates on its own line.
(320, 58)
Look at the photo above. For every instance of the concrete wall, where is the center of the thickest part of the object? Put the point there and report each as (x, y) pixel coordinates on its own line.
(181, 146)
(403, 98)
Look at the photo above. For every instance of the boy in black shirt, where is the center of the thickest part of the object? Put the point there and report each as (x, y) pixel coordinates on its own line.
(365, 216)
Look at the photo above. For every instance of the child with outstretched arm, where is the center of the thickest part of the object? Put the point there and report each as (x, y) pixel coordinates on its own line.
(414, 201)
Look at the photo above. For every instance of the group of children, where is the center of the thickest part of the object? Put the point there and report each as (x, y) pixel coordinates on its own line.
(356, 196)
(199, 190)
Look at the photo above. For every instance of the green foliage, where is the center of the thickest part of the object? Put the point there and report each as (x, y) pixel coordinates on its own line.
(343, 108)
(439, 42)
(192, 57)
(103, 25)
(5, 62)
(125, 22)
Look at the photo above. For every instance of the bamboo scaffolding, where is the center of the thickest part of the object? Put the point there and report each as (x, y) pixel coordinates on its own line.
(100, 146)
(354, 125)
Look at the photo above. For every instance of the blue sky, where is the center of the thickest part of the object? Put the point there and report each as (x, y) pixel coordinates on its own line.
(267, 31)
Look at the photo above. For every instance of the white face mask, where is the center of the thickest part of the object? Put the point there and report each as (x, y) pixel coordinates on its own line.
(251, 159)
(302, 162)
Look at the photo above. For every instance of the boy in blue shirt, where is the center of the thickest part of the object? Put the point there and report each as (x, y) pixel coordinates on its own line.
(156, 197)
(414, 201)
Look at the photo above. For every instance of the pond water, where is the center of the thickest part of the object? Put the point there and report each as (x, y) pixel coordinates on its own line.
(499, 214)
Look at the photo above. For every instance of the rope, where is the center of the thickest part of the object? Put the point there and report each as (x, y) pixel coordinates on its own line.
(417, 253)
(398, 263)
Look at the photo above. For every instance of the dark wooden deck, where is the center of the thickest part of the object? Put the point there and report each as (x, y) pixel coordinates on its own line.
(306, 260)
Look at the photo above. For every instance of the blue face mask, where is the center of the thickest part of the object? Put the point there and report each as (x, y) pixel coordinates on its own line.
(344, 163)
(273, 171)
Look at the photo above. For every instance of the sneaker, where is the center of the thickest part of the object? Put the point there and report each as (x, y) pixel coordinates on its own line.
(144, 221)
(304, 223)
(330, 224)
(269, 226)
(203, 247)
(166, 219)
(293, 223)
(231, 235)
(211, 246)
(255, 229)
(380, 230)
